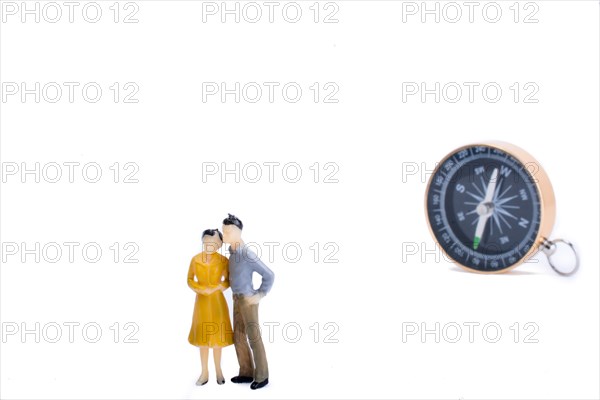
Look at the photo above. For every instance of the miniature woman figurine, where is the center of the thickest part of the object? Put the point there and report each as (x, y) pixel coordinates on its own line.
(208, 276)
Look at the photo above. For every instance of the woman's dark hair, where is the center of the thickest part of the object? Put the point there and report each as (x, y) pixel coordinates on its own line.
(233, 220)
(211, 232)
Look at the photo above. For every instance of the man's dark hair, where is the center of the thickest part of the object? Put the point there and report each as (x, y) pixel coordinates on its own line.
(233, 220)
(211, 232)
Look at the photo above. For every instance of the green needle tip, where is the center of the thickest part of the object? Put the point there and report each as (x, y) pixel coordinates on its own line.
(476, 242)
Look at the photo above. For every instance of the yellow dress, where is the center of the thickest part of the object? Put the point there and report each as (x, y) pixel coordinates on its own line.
(211, 326)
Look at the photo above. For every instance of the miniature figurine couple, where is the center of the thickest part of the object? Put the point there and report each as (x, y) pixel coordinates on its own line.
(210, 274)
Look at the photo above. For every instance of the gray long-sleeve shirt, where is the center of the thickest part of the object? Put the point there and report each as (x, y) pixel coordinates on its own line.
(242, 263)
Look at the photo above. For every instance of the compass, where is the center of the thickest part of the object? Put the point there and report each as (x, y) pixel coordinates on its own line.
(491, 206)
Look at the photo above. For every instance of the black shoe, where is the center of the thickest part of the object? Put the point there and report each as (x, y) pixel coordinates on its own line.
(242, 379)
(258, 385)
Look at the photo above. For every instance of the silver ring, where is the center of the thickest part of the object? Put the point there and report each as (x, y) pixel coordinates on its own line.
(549, 248)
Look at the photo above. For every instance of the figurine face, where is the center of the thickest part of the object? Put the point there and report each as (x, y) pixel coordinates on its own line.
(232, 234)
(211, 244)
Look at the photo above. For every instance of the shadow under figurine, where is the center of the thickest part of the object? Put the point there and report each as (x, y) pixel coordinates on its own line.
(243, 262)
(211, 326)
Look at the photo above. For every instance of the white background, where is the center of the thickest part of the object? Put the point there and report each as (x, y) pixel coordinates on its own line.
(372, 214)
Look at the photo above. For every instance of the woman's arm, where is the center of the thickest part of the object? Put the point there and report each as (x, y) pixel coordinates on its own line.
(195, 286)
(225, 276)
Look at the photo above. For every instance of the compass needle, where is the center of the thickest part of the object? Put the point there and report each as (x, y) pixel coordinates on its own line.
(484, 209)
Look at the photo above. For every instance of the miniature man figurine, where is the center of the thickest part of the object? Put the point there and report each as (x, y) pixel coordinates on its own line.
(242, 263)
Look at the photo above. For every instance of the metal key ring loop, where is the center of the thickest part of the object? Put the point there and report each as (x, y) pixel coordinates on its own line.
(549, 248)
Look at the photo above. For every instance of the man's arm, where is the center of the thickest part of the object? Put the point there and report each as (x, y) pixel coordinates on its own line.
(267, 277)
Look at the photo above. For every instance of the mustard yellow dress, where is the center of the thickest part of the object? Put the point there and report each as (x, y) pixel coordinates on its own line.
(211, 326)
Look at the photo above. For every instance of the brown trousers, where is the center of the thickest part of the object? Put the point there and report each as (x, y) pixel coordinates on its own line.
(246, 329)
